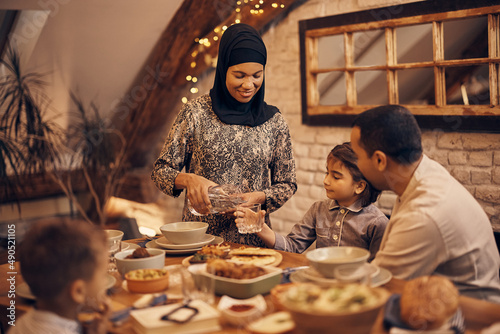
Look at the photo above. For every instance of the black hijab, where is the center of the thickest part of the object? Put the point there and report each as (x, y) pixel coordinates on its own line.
(240, 43)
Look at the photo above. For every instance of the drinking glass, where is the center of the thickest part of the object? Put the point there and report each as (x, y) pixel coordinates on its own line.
(195, 285)
(114, 246)
(252, 220)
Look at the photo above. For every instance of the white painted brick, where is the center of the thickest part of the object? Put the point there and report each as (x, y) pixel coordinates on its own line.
(462, 175)
(308, 164)
(457, 158)
(320, 152)
(387, 200)
(481, 141)
(488, 193)
(301, 150)
(481, 158)
(496, 175)
(480, 177)
(496, 158)
(305, 177)
(450, 141)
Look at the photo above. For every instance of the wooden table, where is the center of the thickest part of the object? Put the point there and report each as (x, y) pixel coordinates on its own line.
(478, 314)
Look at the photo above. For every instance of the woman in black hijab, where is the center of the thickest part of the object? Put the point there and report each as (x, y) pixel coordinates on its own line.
(230, 136)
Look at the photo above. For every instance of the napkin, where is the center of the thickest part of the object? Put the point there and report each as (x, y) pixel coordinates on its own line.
(393, 321)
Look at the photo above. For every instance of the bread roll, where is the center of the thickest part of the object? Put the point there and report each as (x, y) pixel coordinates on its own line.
(428, 302)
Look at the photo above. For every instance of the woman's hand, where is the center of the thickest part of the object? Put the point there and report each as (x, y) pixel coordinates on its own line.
(196, 190)
(257, 197)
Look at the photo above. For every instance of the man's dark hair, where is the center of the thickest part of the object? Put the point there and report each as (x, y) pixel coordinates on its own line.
(393, 130)
(345, 155)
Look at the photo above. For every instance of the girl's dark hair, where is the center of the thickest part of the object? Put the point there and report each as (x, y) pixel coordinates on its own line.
(348, 158)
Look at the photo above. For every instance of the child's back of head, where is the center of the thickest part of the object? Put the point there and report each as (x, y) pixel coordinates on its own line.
(59, 251)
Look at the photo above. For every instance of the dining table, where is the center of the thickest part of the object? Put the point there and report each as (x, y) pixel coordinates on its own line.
(478, 314)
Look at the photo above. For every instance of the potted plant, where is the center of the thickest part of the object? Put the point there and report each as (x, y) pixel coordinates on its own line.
(29, 144)
(98, 151)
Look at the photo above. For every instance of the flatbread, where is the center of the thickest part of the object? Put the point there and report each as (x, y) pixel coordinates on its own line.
(255, 260)
(255, 255)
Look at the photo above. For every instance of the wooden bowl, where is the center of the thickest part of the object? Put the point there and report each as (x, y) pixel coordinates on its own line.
(147, 284)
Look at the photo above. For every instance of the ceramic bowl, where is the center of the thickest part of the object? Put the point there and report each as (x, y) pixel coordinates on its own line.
(326, 259)
(155, 261)
(240, 312)
(114, 238)
(184, 232)
(330, 318)
(147, 284)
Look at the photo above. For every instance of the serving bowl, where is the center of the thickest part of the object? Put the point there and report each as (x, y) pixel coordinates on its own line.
(337, 309)
(238, 288)
(147, 280)
(326, 259)
(184, 232)
(155, 261)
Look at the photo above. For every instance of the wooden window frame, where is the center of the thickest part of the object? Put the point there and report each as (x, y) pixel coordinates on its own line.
(482, 118)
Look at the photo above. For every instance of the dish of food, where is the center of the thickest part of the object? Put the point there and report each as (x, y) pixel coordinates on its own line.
(165, 243)
(147, 280)
(240, 288)
(331, 309)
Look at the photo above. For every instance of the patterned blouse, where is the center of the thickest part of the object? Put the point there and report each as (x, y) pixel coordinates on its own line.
(260, 157)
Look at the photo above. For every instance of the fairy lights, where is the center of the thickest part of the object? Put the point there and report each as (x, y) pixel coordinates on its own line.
(254, 7)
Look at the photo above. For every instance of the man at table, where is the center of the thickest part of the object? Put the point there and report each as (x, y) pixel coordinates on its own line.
(436, 226)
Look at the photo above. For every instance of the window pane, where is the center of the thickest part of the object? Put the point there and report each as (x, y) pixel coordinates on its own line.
(414, 43)
(369, 48)
(331, 51)
(467, 38)
(416, 86)
(371, 87)
(467, 84)
(331, 87)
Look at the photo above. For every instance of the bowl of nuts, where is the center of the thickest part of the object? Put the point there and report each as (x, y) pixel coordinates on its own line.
(147, 280)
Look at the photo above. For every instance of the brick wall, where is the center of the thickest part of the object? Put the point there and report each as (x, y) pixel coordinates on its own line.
(472, 158)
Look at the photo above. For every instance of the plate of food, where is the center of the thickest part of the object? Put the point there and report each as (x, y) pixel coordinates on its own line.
(208, 252)
(256, 256)
(237, 280)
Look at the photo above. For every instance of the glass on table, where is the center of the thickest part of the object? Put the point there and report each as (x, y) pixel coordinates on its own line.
(114, 246)
(252, 221)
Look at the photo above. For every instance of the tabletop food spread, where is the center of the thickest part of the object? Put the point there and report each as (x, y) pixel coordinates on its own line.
(212, 286)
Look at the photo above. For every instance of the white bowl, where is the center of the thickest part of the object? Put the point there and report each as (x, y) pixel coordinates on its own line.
(326, 259)
(155, 261)
(257, 306)
(184, 232)
(114, 238)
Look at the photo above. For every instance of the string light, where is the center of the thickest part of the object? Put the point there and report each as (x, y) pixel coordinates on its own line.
(256, 7)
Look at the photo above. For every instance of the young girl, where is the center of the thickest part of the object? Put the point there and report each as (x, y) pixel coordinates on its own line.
(346, 218)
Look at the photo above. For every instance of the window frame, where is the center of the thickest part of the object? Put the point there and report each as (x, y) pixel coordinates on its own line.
(483, 118)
